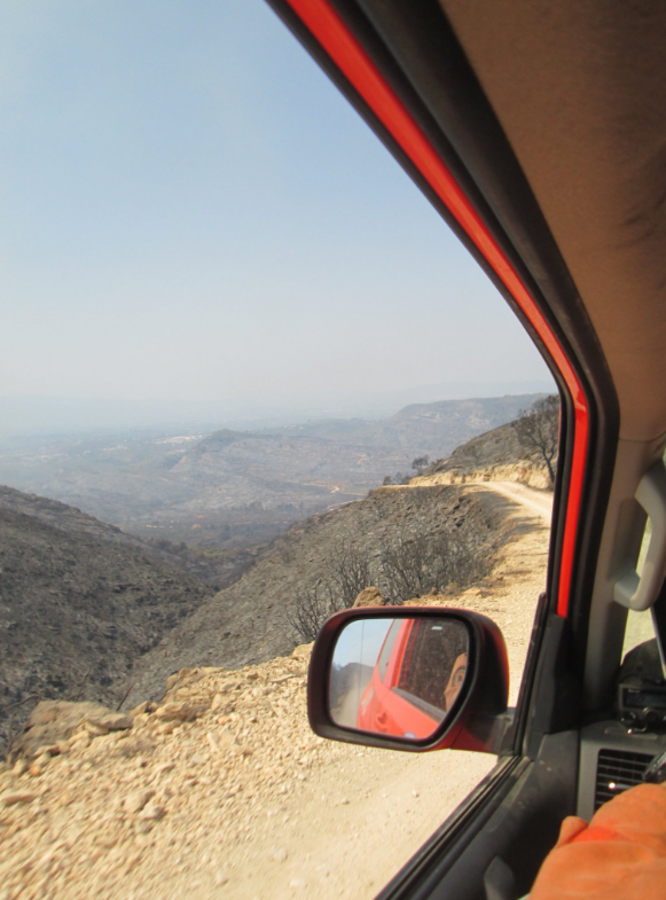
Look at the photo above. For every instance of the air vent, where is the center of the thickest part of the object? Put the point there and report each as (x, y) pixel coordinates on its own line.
(617, 771)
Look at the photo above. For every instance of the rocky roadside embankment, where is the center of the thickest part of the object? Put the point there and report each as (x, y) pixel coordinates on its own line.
(221, 790)
(497, 455)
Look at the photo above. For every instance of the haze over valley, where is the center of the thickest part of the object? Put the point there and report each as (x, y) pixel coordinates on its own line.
(230, 490)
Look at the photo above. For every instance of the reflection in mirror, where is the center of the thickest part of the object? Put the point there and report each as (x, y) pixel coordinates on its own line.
(397, 676)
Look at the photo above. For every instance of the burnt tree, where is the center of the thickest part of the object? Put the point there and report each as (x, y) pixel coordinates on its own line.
(538, 428)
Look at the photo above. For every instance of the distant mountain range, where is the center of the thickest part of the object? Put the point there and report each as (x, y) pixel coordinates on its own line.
(35, 415)
(232, 489)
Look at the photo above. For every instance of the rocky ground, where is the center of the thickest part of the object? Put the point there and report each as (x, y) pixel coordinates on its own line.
(221, 790)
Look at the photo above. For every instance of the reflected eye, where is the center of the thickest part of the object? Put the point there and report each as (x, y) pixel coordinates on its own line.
(458, 676)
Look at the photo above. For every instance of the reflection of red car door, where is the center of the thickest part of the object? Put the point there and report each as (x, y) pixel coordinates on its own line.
(400, 717)
(386, 706)
(371, 714)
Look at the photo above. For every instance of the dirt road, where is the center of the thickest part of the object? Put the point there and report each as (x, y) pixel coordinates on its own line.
(540, 503)
(223, 791)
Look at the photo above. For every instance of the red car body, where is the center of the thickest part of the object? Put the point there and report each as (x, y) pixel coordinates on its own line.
(403, 697)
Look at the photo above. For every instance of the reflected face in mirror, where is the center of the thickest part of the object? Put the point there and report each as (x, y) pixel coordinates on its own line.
(398, 676)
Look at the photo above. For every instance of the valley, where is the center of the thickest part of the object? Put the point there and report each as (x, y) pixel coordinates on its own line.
(232, 490)
(89, 611)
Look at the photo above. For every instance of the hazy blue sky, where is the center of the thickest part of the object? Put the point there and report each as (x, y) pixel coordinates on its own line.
(189, 210)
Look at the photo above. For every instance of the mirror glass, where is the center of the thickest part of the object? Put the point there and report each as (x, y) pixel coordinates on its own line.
(398, 676)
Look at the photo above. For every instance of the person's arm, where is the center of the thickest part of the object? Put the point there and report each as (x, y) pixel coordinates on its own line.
(620, 855)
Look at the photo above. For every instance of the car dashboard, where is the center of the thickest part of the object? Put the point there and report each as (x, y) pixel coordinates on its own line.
(613, 758)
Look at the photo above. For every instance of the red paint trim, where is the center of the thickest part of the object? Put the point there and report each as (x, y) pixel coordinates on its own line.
(346, 52)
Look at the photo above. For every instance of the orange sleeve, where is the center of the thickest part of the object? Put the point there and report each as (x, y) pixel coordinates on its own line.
(619, 856)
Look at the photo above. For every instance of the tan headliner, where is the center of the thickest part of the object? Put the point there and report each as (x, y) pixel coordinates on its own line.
(580, 91)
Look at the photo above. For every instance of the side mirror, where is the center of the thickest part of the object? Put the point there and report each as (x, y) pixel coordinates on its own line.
(417, 678)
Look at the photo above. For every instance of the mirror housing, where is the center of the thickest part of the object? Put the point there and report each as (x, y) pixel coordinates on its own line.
(476, 721)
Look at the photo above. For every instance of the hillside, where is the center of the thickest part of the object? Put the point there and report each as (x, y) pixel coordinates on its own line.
(79, 601)
(433, 428)
(458, 421)
(249, 622)
(63, 517)
(496, 455)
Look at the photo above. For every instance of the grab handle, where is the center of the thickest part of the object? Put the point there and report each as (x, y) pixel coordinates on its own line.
(636, 591)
